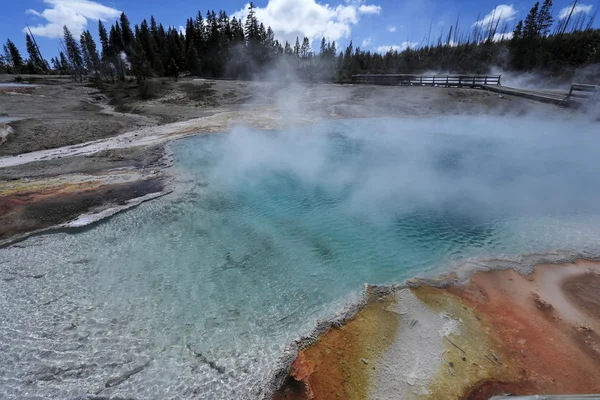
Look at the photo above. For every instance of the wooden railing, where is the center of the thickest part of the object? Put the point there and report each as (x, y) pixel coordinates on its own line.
(583, 93)
(427, 80)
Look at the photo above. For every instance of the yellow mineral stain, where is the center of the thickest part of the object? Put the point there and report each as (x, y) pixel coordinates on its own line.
(339, 364)
(470, 355)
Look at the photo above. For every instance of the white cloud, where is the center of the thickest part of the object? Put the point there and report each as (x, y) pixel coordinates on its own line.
(502, 36)
(367, 42)
(369, 9)
(396, 47)
(503, 12)
(391, 28)
(579, 8)
(385, 49)
(72, 13)
(292, 18)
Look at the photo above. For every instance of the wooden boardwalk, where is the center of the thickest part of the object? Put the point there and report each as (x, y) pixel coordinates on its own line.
(551, 97)
(578, 95)
(427, 80)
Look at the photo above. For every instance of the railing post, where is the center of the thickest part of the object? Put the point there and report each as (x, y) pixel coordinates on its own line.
(447, 77)
(421, 80)
(460, 81)
(485, 81)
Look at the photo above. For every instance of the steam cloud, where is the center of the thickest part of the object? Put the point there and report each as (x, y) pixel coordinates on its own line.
(482, 166)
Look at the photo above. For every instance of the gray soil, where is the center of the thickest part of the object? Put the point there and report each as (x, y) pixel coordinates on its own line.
(138, 157)
(58, 113)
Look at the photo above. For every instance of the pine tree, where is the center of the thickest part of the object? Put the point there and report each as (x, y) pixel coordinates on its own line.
(339, 65)
(225, 41)
(3, 64)
(530, 30)
(297, 48)
(305, 49)
(193, 62)
(160, 41)
(262, 33)
(348, 56)
(154, 30)
(35, 58)
(518, 32)
(104, 42)
(269, 46)
(6, 57)
(147, 42)
(90, 52)
(237, 32)
(140, 67)
(65, 67)
(173, 69)
(544, 18)
(200, 37)
(252, 26)
(153, 25)
(323, 48)
(225, 28)
(13, 57)
(190, 34)
(87, 62)
(74, 54)
(174, 49)
(252, 33)
(287, 49)
(126, 34)
(116, 39)
(211, 59)
(108, 56)
(55, 64)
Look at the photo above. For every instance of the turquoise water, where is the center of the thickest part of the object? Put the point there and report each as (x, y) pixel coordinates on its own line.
(268, 231)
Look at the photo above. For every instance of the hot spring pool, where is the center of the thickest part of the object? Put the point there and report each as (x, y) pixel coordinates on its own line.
(268, 231)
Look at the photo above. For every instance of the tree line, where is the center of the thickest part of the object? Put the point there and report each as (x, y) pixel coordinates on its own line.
(215, 45)
(537, 43)
(212, 45)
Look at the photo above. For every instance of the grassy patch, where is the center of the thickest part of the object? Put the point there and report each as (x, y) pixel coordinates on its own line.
(122, 95)
(230, 94)
(199, 92)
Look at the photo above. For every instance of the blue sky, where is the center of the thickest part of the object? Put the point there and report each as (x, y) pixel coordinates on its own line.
(371, 24)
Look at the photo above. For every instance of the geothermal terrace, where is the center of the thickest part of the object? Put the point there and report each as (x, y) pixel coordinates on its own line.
(230, 239)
